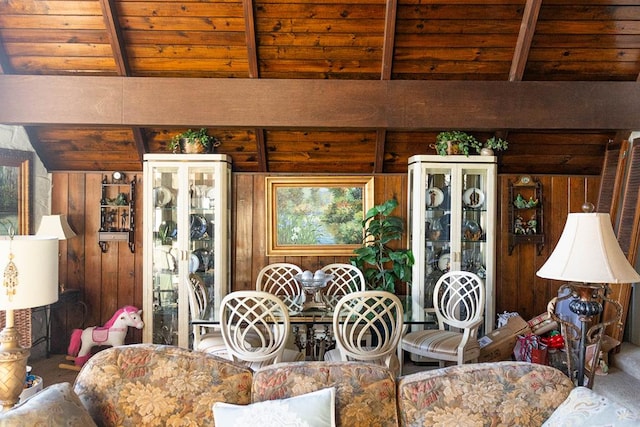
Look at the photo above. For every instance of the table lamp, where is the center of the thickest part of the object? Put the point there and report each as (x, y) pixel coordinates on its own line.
(30, 279)
(589, 257)
(56, 226)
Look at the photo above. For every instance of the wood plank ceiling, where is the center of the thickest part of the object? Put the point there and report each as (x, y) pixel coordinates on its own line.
(492, 40)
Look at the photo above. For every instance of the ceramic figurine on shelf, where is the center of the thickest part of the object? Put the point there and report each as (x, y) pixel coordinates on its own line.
(532, 203)
(532, 225)
(518, 227)
(520, 202)
(112, 333)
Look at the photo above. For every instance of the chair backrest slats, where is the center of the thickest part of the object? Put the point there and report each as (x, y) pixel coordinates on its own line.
(458, 299)
(347, 278)
(255, 326)
(378, 313)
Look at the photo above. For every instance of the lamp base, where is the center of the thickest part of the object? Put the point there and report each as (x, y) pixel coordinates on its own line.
(13, 367)
(587, 304)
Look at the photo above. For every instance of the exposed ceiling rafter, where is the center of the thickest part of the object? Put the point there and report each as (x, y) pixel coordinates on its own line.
(525, 37)
(254, 72)
(391, 12)
(110, 16)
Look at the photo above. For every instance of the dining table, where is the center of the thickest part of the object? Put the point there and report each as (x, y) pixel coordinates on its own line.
(312, 326)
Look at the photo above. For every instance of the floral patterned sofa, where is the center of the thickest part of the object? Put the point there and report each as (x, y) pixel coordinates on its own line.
(154, 385)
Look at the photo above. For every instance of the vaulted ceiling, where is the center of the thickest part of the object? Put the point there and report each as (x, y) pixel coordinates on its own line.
(322, 44)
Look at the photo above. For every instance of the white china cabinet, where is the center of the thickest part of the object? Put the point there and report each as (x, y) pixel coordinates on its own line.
(452, 225)
(186, 231)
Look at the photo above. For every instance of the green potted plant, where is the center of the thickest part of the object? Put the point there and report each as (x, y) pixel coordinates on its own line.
(381, 265)
(192, 141)
(456, 142)
(493, 144)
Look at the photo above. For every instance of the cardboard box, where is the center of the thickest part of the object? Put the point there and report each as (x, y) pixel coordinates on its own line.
(543, 323)
(498, 344)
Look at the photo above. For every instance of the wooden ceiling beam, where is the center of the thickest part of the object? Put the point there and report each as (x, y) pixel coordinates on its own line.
(110, 15)
(141, 143)
(254, 73)
(388, 43)
(301, 103)
(250, 35)
(624, 134)
(389, 39)
(381, 137)
(525, 36)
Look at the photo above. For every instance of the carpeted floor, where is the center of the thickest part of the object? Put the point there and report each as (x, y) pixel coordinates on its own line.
(622, 383)
(49, 370)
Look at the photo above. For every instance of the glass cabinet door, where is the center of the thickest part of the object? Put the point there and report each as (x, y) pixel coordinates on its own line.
(451, 224)
(164, 254)
(188, 234)
(201, 236)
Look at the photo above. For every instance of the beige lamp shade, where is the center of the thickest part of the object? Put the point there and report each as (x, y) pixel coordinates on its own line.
(55, 226)
(588, 252)
(35, 259)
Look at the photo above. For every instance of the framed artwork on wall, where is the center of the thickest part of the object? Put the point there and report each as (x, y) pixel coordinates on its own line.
(16, 175)
(319, 215)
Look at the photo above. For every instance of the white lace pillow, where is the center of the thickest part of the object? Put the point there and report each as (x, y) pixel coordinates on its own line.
(584, 407)
(316, 409)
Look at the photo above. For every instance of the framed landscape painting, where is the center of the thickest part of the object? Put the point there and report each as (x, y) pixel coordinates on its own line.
(320, 215)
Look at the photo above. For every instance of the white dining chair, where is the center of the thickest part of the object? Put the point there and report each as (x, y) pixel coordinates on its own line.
(377, 313)
(279, 279)
(458, 301)
(255, 328)
(206, 338)
(347, 278)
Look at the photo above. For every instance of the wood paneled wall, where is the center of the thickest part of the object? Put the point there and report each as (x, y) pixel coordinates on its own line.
(113, 279)
(517, 286)
(107, 280)
(248, 246)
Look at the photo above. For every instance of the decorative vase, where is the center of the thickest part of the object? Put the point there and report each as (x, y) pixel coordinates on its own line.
(453, 147)
(486, 151)
(192, 147)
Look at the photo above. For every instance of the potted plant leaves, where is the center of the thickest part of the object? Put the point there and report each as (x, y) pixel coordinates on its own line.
(193, 142)
(493, 144)
(456, 142)
(381, 265)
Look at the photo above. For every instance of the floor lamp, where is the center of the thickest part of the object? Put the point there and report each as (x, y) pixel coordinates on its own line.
(589, 257)
(30, 279)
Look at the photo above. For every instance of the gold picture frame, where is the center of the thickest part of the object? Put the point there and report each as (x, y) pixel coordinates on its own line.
(16, 177)
(316, 216)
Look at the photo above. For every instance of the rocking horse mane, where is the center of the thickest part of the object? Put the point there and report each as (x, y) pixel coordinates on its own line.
(125, 309)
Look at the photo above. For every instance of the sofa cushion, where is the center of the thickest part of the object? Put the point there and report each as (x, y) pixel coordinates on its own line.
(315, 409)
(365, 392)
(56, 405)
(483, 394)
(585, 407)
(148, 384)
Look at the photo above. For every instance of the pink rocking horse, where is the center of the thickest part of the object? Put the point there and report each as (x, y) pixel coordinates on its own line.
(112, 333)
